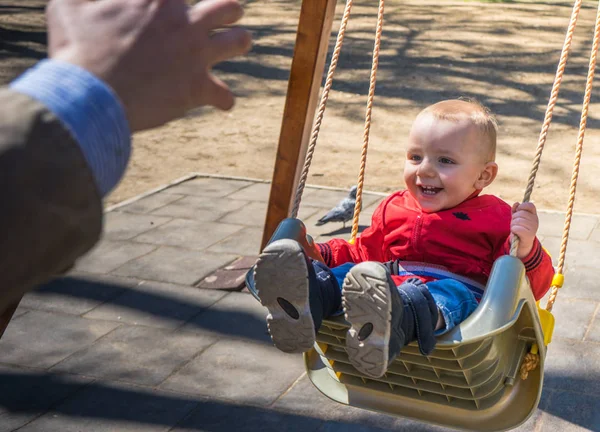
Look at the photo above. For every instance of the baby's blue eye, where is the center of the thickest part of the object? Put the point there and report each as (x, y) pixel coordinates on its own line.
(415, 158)
(446, 161)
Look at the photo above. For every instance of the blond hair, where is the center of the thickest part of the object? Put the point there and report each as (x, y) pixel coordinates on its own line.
(479, 115)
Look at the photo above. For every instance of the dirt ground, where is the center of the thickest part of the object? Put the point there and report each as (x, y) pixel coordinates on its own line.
(502, 53)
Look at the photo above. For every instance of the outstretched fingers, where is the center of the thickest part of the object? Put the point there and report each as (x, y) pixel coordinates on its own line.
(217, 94)
(227, 44)
(209, 21)
(210, 18)
(214, 14)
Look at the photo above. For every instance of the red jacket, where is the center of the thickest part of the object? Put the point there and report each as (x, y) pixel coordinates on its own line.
(466, 240)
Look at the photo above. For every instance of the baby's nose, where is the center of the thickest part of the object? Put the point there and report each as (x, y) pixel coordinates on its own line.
(425, 169)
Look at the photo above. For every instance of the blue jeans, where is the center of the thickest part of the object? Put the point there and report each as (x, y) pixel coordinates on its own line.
(454, 300)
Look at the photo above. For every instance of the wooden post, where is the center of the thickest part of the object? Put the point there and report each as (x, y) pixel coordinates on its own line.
(308, 63)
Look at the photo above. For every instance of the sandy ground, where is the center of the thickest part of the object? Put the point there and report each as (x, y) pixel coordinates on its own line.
(502, 53)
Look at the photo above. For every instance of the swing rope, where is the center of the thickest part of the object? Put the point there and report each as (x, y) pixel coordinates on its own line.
(531, 360)
(577, 161)
(566, 49)
(322, 104)
(365, 146)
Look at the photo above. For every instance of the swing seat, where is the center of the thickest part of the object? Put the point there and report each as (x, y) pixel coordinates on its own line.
(470, 381)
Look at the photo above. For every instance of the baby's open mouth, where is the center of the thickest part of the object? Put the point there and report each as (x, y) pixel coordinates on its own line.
(429, 190)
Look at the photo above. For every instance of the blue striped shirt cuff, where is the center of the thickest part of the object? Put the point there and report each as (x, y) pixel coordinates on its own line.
(89, 109)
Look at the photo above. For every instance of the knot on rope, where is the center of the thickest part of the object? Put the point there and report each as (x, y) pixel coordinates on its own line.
(530, 362)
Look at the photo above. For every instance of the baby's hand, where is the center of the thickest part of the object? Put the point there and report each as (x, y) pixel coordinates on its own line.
(524, 224)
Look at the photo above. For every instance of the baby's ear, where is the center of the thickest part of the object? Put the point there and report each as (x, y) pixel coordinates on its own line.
(487, 175)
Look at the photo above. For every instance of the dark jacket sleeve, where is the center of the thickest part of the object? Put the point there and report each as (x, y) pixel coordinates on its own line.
(50, 207)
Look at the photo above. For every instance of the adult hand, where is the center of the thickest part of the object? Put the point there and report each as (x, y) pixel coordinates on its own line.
(524, 225)
(156, 54)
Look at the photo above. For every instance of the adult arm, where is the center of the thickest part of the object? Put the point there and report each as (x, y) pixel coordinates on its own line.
(51, 212)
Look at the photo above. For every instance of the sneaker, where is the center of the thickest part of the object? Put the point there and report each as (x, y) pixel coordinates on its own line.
(374, 310)
(282, 276)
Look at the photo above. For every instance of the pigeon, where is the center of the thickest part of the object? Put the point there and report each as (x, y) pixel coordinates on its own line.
(342, 212)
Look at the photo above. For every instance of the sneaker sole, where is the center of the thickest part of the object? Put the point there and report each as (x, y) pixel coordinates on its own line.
(367, 300)
(281, 273)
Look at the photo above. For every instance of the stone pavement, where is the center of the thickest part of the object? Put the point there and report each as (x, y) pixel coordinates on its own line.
(144, 335)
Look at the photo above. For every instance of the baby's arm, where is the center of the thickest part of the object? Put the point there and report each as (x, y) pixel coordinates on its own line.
(337, 252)
(538, 263)
(366, 248)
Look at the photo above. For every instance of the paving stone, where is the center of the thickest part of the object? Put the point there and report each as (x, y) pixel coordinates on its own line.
(237, 370)
(244, 242)
(115, 407)
(188, 234)
(10, 422)
(552, 246)
(200, 208)
(40, 339)
(307, 211)
(552, 224)
(573, 366)
(255, 192)
(236, 316)
(252, 214)
(595, 236)
(594, 333)
(328, 199)
(572, 412)
(156, 304)
(24, 394)
(573, 317)
(21, 310)
(76, 294)
(125, 226)
(217, 416)
(242, 263)
(224, 280)
(150, 203)
(304, 399)
(110, 255)
(175, 265)
(334, 229)
(580, 253)
(581, 283)
(208, 187)
(137, 355)
(403, 425)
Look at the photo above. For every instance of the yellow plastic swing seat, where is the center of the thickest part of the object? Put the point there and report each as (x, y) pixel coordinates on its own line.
(470, 381)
